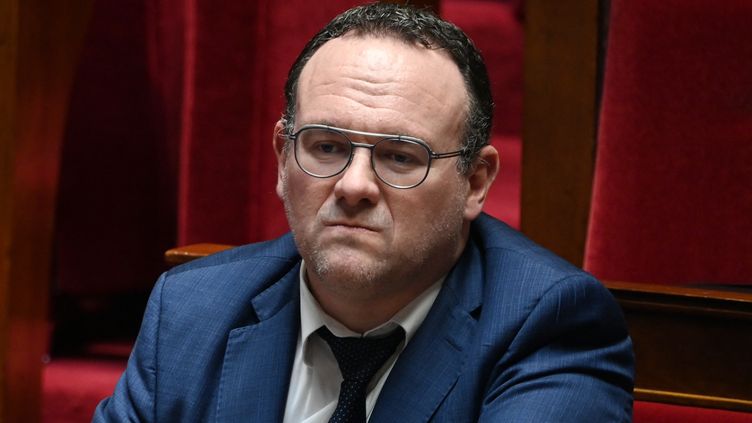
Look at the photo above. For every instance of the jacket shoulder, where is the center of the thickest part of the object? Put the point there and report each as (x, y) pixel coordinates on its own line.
(499, 242)
(232, 277)
(281, 249)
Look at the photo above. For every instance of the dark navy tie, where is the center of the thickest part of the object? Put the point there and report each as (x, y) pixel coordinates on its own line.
(359, 359)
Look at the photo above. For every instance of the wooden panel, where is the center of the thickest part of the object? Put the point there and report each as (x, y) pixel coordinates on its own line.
(39, 44)
(692, 345)
(559, 123)
(8, 44)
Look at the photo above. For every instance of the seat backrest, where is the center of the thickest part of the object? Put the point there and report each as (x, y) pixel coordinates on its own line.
(672, 196)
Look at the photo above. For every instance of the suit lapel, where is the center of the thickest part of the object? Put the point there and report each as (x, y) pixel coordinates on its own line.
(429, 366)
(258, 358)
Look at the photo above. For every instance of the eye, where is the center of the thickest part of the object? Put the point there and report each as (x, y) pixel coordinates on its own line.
(400, 158)
(328, 147)
(323, 145)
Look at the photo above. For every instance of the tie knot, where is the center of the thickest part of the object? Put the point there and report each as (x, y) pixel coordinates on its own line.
(360, 358)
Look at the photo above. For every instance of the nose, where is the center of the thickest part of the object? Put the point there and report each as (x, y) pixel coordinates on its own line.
(358, 182)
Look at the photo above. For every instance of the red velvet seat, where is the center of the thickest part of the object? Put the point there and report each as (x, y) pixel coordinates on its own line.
(74, 386)
(652, 412)
(672, 195)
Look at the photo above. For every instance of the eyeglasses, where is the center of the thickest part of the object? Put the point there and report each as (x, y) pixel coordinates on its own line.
(399, 161)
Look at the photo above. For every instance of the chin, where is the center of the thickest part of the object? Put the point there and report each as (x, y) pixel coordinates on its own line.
(347, 269)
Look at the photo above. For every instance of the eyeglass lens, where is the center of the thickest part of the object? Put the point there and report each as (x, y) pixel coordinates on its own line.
(398, 162)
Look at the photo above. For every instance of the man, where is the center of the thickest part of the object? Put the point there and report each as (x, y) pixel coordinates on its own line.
(394, 299)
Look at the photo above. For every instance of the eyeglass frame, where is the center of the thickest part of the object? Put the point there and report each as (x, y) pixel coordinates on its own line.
(432, 155)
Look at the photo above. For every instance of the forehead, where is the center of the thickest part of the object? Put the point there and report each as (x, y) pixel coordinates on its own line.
(382, 84)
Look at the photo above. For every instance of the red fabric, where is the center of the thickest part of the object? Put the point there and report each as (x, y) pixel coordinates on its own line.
(115, 207)
(672, 197)
(74, 387)
(651, 412)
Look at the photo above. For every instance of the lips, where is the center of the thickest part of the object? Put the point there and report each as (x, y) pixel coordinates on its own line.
(352, 225)
(371, 220)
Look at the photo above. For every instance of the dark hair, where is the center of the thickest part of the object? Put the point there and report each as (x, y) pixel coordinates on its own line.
(412, 26)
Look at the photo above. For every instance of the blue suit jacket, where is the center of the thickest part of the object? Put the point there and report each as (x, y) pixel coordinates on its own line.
(515, 335)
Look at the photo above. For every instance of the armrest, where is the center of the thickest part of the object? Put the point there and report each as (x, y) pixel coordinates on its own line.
(184, 254)
(692, 344)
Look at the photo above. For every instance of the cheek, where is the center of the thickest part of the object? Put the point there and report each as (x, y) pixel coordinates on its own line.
(305, 195)
(412, 211)
(415, 214)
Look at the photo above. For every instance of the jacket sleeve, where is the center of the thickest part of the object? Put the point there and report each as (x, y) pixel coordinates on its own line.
(134, 397)
(571, 361)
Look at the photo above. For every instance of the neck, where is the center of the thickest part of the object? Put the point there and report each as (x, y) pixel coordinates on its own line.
(361, 313)
(365, 306)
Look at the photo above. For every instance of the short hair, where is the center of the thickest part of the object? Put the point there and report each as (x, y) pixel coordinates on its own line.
(412, 26)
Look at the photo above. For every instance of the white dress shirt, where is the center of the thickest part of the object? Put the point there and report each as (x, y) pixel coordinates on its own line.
(315, 380)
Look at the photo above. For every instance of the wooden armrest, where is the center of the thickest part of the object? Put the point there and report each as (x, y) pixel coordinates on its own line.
(184, 254)
(692, 344)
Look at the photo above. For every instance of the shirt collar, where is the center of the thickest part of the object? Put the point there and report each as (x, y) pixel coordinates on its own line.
(312, 316)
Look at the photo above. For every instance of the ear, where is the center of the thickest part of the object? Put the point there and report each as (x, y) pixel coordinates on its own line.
(279, 141)
(480, 178)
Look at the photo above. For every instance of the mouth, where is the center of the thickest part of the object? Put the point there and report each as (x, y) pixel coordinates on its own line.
(355, 226)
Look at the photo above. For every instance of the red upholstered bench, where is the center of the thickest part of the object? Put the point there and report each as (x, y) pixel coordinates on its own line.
(653, 412)
(74, 386)
(672, 200)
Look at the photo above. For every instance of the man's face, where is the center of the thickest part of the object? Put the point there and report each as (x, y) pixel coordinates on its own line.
(361, 238)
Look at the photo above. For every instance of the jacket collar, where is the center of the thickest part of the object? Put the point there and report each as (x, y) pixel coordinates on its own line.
(429, 366)
(259, 357)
